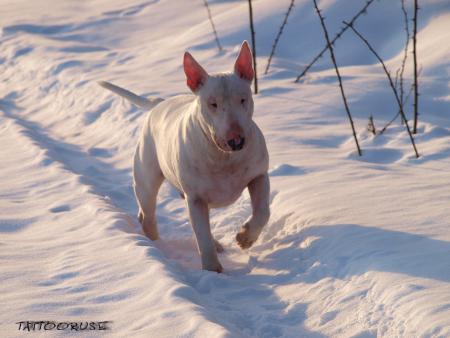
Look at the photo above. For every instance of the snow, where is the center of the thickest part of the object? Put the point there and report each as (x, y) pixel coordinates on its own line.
(355, 247)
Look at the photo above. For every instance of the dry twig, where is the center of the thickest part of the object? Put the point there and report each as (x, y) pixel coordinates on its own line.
(338, 35)
(400, 72)
(416, 87)
(405, 55)
(212, 25)
(400, 106)
(252, 30)
(371, 126)
(333, 59)
(280, 31)
(411, 89)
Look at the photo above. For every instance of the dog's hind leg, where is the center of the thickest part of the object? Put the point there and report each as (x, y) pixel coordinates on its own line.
(147, 204)
(219, 247)
(147, 181)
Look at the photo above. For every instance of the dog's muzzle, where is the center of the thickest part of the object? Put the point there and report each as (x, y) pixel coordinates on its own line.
(236, 143)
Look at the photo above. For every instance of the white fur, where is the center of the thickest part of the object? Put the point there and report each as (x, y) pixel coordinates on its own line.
(184, 141)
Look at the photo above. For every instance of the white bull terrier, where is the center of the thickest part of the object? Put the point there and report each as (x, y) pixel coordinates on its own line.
(208, 147)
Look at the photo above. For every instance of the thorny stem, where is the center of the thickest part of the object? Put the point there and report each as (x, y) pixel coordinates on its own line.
(252, 30)
(400, 106)
(274, 46)
(330, 48)
(212, 25)
(338, 35)
(416, 87)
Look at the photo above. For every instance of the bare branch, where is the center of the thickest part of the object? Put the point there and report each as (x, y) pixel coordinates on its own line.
(399, 75)
(400, 106)
(280, 31)
(405, 55)
(252, 30)
(416, 86)
(338, 35)
(333, 59)
(371, 126)
(406, 98)
(212, 25)
(389, 123)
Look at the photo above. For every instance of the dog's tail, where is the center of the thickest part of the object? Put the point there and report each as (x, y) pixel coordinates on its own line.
(139, 101)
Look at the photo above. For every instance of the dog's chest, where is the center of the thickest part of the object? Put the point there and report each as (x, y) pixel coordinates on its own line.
(222, 187)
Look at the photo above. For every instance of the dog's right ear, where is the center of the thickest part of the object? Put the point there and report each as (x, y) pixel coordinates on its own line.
(196, 76)
(244, 63)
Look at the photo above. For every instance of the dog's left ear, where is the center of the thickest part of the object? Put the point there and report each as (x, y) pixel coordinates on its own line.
(243, 66)
(196, 76)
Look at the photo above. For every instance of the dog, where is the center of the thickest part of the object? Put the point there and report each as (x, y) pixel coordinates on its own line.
(208, 147)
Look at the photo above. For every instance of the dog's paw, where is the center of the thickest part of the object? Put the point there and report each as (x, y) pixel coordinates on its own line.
(245, 238)
(216, 267)
(219, 247)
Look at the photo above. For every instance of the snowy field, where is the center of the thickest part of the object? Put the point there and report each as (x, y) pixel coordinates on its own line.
(355, 246)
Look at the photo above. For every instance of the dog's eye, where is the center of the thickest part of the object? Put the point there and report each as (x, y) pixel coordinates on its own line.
(214, 105)
(242, 101)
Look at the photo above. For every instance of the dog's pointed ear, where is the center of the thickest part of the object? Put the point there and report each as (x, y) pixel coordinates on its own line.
(243, 66)
(196, 76)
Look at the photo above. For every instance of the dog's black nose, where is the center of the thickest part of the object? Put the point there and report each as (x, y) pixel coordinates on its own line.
(236, 143)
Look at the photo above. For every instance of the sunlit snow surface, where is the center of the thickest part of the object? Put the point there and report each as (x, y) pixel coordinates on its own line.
(355, 247)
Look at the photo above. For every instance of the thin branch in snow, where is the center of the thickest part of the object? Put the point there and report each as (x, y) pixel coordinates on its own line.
(399, 75)
(400, 106)
(212, 24)
(405, 55)
(280, 31)
(389, 123)
(416, 85)
(252, 30)
(371, 126)
(406, 98)
(330, 48)
(338, 35)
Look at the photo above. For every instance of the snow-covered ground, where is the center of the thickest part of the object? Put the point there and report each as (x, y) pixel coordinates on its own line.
(355, 247)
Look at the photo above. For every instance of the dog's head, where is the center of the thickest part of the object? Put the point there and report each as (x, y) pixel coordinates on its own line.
(225, 99)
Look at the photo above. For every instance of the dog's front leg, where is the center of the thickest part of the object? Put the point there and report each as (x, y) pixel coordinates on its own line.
(259, 189)
(199, 215)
